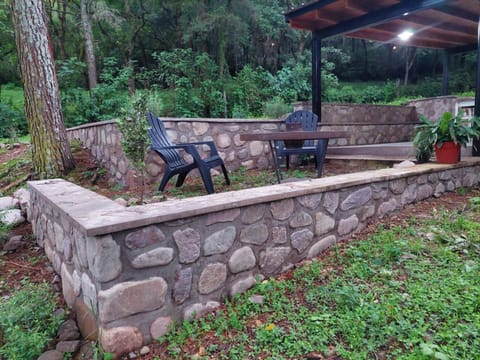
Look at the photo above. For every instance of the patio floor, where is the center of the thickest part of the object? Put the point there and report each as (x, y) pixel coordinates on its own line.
(383, 152)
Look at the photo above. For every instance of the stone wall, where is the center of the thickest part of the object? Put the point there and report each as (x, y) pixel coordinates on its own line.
(364, 124)
(103, 140)
(129, 272)
(433, 108)
(367, 124)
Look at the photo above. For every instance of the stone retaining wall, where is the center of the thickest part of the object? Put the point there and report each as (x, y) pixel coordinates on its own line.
(103, 140)
(367, 124)
(433, 108)
(364, 124)
(130, 272)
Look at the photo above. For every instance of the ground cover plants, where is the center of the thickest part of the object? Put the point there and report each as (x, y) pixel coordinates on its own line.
(408, 291)
(28, 320)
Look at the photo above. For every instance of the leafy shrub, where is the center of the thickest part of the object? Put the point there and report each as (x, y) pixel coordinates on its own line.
(27, 321)
(103, 102)
(372, 95)
(276, 109)
(12, 122)
(135, 140)
(71, 73)
(293, 83)
(197, 90)
(249, 90)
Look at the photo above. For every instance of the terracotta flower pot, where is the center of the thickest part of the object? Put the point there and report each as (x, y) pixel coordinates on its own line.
(448, 153)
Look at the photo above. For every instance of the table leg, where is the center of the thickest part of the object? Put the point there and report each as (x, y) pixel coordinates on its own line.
(321, 153)
(275, 161)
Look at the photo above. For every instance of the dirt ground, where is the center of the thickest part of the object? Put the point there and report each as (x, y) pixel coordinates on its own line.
(30, 262)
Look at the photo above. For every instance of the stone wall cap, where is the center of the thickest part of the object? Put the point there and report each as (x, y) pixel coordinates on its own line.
(96, 215)
(94, 124)
(206, 120)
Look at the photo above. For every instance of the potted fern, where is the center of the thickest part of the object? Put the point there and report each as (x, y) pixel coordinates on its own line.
(445, 136)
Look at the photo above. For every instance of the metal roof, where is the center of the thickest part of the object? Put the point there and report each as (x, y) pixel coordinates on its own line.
(439, 24)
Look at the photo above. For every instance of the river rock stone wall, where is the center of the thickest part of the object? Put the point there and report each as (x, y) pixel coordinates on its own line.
(364, 124)
(103, 140)
(433, 108)
(367, 124)
(129, 272)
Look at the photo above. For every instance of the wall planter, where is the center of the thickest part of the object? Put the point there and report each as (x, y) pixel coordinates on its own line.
(448, 153)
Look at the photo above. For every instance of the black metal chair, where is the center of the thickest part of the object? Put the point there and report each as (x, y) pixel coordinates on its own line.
(175, 165)
(306, 121)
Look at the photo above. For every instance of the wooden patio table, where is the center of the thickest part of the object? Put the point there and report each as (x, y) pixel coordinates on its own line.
(322, 136)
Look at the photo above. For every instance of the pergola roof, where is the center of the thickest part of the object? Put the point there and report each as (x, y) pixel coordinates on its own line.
(439, 24)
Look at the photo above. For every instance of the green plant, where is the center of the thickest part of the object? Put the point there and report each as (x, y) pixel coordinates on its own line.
(276, 109)
(135, 140)
(447, 128)
(104, 102)
(12, 122)
(28, 321)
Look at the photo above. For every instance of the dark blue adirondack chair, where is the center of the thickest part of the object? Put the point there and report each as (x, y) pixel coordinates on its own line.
(175, 165)
(306, 121)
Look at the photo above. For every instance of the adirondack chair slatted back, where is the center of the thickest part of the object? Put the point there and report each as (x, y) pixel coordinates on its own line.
(160, 140)
(307, 119)
(174, 164)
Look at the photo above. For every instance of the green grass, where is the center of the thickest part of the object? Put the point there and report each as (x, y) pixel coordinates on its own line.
(408, 292)
(240, 179)
(21, 139)
(27, 321)
(12, 94)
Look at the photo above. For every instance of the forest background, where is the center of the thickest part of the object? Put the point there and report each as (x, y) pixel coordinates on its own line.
(210, 58)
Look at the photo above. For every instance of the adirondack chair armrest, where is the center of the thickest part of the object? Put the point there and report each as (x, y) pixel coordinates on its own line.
(210, 144)
(176, 146)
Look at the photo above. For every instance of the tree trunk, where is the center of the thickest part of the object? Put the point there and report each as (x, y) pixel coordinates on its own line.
(365, 59)
(52, 156)
(89, 50)
(62, 15)
(411, 52)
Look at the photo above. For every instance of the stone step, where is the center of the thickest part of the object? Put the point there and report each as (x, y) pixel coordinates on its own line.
(387, 151)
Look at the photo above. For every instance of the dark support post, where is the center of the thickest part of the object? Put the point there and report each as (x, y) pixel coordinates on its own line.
(445, 73)
(476, 141)
(317, 75)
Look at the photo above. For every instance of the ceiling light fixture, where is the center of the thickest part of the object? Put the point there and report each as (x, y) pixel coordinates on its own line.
(405, 35)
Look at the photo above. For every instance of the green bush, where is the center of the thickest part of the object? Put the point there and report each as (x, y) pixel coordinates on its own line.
(249, 90)
(12, 122)
(27, 321)
(103, 102)
(135, 139)
(276, 109)
(195, 88)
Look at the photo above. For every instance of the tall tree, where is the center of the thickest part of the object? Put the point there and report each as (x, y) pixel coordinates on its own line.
(52, 155)
(410, 53)
(89, 49)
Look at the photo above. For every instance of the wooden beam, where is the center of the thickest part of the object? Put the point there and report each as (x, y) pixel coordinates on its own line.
(429, 19)
(462, 49)
(427, 32)
(306, 9)
(391, 38)
(311, 24)
(380, 16)
(460, 13)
